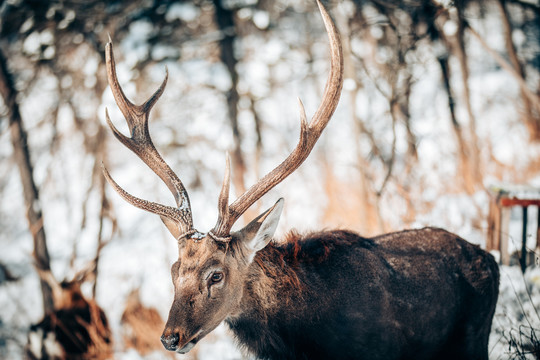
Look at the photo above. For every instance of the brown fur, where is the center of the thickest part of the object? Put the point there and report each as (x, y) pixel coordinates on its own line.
(275, 264)
(334, 315)
(141, 325)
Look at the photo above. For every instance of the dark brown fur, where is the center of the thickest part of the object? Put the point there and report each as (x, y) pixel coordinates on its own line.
(417, 294)
(77, 327)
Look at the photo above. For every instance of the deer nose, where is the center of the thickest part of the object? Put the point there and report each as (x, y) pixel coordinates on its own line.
(170, 342)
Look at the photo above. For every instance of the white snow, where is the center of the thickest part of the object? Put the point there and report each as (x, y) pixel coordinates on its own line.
(184, 11)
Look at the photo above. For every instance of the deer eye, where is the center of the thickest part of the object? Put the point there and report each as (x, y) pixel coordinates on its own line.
(216, 277)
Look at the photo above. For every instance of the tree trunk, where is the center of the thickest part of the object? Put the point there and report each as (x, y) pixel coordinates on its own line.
(225, 21)
(31, 196)
(368, 219)
(473, 150)
(464, 160)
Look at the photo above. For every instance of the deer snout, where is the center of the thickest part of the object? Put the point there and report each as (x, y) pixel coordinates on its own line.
(170, 342)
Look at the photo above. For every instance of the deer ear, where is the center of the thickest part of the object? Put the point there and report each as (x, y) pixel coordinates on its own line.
(258, 233)
(172, 226)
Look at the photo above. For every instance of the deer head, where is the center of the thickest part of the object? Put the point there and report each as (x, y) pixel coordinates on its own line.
(211, 269)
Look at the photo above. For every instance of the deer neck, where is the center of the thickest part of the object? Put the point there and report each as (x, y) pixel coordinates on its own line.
(271, 285)
(272, 293)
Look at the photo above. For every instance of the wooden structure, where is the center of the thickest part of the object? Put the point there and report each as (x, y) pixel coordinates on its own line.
(502, 200)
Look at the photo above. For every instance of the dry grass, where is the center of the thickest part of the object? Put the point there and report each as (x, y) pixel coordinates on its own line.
(350, 206)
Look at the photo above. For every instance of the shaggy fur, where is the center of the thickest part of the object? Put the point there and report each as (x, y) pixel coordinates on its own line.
(417, 294)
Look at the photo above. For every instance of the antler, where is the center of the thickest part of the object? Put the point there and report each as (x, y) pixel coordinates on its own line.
(178, 220)
(309, 134)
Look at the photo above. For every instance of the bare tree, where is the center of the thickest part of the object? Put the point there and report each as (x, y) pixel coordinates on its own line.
(224, 18)
(530, 117)
(460, 50)
(21, 152)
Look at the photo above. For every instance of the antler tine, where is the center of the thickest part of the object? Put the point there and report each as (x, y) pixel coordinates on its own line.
(309, 134)
(223, 202)
(141, 144)
(155, 208)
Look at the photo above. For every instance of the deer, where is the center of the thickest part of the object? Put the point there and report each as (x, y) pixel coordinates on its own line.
(76, 327)
(414, 294)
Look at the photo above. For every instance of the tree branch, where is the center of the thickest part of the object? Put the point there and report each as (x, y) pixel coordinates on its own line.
(533, 98)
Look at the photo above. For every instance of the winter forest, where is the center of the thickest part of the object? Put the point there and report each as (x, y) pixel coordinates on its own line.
(440, 105)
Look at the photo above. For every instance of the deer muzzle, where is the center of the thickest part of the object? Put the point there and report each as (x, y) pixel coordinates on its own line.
(174, 342)
(170, 342)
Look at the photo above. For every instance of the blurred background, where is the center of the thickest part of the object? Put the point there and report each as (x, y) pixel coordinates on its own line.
(440, 104)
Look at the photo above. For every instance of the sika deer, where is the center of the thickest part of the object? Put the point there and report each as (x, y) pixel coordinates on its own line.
(417, 294)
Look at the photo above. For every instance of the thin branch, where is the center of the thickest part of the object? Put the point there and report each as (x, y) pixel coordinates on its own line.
(533, 98)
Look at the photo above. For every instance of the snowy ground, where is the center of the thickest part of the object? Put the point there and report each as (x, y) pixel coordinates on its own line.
(517, 309)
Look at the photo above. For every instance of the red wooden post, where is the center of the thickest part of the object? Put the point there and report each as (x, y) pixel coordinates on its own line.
(502, 199)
